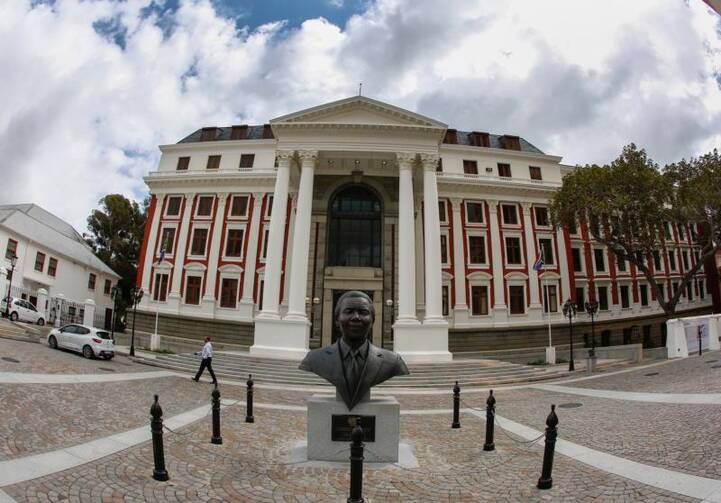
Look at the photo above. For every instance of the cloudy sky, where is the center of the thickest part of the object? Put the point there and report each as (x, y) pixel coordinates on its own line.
(89, 89)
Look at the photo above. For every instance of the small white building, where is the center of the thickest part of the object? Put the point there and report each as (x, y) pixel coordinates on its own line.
(53, 263)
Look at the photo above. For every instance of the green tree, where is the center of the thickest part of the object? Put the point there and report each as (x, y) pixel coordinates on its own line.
(115, 234)
(628, 203)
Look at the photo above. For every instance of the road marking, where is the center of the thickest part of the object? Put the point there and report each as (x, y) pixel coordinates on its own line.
(23, 378)
(636, 396)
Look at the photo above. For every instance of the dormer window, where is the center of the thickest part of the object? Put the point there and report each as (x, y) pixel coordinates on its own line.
(208, 133)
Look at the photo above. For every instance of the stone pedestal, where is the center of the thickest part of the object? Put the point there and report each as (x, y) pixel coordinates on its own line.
(551, 355)
(382, 449)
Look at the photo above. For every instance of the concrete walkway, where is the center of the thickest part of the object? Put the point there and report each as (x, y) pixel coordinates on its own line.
(635, 396)
(23, 378)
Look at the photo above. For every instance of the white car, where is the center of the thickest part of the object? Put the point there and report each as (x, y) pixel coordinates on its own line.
(22, 310)
(89, 341)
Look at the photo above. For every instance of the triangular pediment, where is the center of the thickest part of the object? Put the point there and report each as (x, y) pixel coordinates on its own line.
(358, 110)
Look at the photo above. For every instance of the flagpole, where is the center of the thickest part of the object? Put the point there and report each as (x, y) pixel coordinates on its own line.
(548, 309)
(157, 300)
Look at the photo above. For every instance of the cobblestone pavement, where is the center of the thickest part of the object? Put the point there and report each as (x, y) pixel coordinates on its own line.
(685, 375)
(250, 466)
(40, 359)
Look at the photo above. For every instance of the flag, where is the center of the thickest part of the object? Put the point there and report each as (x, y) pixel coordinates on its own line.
(539, 262)
(162, 255)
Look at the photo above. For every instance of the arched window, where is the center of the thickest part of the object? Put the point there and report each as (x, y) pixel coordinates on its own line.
(354, 234)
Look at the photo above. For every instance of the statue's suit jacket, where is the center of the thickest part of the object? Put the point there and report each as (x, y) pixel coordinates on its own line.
(380, 366)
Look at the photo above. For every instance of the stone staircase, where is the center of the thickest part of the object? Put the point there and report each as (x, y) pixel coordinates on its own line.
(468, 372)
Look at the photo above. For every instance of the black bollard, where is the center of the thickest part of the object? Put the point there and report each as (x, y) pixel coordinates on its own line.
(215, 400)
(490, 417)
(456, 406)
(156, 427)
(546, 481)
(356, 465)
(249, 401)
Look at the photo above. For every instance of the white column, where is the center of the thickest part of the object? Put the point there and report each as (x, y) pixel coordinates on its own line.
(406, 243)
(459, 261)
(42, 302)
(531, 254)
(183, 231)
(274, 257)
(89, 313)
(301, 239)
(432, 246)
(3, 283)
(217, 237)
(288, 269)
(563, 267)
(254, 239)
(150, 246)
(420, 258)
(500, 313)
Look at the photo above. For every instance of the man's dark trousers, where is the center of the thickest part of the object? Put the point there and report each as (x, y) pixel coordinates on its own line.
(206, 363)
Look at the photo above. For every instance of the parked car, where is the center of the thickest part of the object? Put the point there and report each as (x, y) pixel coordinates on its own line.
(90, 341)
(22, 310)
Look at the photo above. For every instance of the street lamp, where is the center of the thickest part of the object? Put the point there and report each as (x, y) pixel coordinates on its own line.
(569, 311)
(136, 293)
(592, 310)
(114, 292)
(13, 261)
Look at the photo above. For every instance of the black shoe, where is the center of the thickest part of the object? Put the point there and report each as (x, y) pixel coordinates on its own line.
(194, 379)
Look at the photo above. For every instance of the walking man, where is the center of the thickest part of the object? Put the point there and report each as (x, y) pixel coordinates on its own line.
(206, 361)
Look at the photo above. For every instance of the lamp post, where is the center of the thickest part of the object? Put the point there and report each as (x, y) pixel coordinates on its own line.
(569, 311)
(114, 292)
(592, 310)
(136, 293)
(13, 261)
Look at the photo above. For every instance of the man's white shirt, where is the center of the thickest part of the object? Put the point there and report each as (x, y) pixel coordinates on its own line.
(207, 351)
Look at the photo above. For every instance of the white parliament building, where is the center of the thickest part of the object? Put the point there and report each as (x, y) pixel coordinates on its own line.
(261, 228)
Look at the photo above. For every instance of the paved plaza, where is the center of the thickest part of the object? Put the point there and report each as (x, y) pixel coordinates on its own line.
(78, 430)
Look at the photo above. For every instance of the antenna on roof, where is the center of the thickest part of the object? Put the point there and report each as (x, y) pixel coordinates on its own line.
(360, 89)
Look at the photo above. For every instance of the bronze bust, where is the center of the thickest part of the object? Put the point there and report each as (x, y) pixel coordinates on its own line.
(352, 364)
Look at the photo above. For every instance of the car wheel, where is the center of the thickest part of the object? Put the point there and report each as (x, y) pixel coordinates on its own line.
(41, 322)
(13, 316)
(88, 352)
(53, 342)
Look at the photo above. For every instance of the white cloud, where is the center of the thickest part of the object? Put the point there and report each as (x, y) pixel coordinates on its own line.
(82, 117)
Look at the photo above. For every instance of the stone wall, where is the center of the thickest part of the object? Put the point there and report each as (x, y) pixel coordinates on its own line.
(194, 328)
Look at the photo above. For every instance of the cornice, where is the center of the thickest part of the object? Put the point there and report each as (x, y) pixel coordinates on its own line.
(470, 149)
(156, 179)
(204, 145)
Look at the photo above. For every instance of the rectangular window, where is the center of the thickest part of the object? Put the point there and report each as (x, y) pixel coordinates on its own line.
(107, 287)
(643, 289)
(439, 166)
(504, 170)
(513, 251)
(672, 260)
(535, 172)
(40, 261)
(444, 249)
(661, 292)
(234, 243)
(621, 263)
(470, 167)
(479, 300)
(598, 259)
(550, 299)
(603, 298)
(442, 213)
(684, 256)
(205, 206)
(239, 206)
(667, 230)
(681, 232)
(265, 244)
(160, 294)
(183, 163)
(91, 281)
(517, 299)
(541, 214)
(546, 245)
(573, 227)
(52, 267)
(656, 261)
(580, 299)
(445, 300)
(269, 206)
(577, 260)
(192, 290)
(689, 291)
(477, 249)
(675, 287)
(200, 238)
(246, 161)
(208, 133)
(228, 292)
(510, 214)
(625, 302)
(213, 162)
(173, 208)
(12, 249)
(701, 292)
(167, 239)
(474, 212)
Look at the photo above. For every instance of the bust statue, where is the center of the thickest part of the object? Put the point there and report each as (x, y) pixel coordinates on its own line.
(352, 364)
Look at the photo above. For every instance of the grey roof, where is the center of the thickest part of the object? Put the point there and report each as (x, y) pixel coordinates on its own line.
(464, 138)
(254, 133)
(44, 228)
